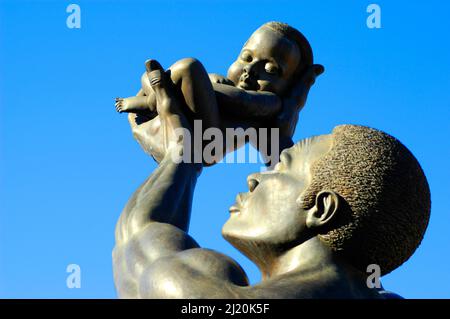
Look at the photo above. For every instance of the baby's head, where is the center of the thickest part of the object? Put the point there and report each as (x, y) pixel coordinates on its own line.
(272, 59)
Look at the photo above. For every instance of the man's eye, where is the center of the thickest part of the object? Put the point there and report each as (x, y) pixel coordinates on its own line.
(246, 57)
(271, 69)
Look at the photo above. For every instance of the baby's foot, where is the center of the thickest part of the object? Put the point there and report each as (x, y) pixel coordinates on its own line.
(154, 72)
(166, 100)
(122, 104)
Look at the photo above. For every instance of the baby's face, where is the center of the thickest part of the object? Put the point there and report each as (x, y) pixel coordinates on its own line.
(267, 63)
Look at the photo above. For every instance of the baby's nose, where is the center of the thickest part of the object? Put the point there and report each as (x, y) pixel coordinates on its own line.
(250, 69)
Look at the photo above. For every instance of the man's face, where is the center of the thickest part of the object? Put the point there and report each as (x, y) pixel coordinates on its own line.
(267, 62)
(270, 213)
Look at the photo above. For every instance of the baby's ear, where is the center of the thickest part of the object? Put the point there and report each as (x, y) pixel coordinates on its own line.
(318, 69)
(311, 73)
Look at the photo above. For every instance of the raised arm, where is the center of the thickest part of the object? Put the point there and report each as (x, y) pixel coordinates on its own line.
(165, 197)
(154, 257)
(154, 223)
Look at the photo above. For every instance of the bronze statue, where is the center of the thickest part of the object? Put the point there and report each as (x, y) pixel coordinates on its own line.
(333, 205)
(266, 86)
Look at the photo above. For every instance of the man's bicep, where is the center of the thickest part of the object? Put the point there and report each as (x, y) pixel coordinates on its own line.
(194, 273)
(140, 251)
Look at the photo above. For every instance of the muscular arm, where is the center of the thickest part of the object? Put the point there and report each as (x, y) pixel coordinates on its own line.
(164, 197)
(153, 249)
(246, 104)
(154, 257)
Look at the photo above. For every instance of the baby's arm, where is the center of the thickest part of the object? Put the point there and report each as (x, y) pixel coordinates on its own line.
(234, 101)
(246, 104)
(217, 78)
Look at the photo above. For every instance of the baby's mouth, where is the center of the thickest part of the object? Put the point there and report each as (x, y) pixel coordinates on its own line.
(246, 84)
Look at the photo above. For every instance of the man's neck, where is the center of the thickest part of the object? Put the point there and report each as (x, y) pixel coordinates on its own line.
(312, 255)
(316, 272)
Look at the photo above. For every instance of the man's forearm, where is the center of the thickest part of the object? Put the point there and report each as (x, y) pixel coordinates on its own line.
(145, 231)
(166, 197)
(247, 104)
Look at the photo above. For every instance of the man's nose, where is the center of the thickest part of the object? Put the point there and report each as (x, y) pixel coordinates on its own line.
(252, 182)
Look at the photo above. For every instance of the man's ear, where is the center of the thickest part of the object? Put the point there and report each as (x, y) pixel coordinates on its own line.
(327, 204)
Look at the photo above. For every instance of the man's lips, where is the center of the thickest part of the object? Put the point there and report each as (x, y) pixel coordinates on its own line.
(236, 208)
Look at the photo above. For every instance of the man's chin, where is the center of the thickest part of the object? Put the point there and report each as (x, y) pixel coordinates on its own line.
(253, 250)
(237, 241)
(232, 236)
(237, 232)
(228, 235)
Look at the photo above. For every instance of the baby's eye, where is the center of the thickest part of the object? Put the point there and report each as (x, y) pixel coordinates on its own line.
(246, 56)
(271, 68)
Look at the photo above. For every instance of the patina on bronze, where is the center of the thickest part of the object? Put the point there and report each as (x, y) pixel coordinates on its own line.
(333, 205)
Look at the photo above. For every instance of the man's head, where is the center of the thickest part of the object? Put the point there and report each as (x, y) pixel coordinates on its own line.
(272, 58)
(358, 189)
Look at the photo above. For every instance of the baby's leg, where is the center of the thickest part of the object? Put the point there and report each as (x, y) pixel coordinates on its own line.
(135, 104)
(191, 78)
(132, 104)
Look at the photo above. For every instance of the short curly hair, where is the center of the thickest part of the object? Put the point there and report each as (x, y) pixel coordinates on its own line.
(298, 38)
(386, 197)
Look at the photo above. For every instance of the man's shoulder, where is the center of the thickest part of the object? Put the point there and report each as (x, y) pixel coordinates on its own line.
(205, 262)
(192, 273)
(389, 294)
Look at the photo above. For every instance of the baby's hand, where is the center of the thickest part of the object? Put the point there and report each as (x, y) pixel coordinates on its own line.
(217, 78)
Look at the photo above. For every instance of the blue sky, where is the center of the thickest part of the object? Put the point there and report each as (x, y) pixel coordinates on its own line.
(68, 162)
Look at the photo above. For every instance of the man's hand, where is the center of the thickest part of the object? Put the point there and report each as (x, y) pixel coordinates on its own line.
(162, 132)
(286, 121)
